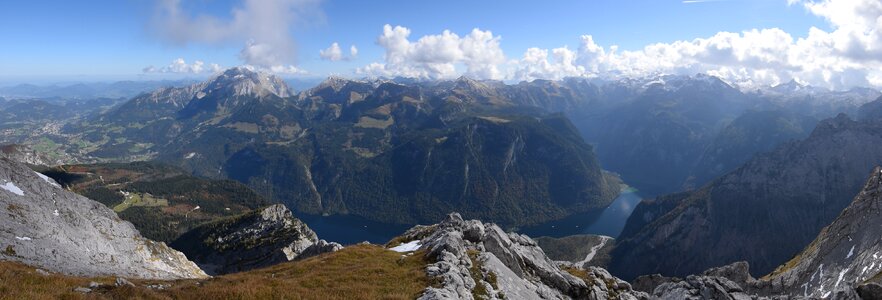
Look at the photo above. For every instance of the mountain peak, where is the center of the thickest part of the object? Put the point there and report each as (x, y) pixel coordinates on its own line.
(334, 82)
(245, 81)
(790, 86)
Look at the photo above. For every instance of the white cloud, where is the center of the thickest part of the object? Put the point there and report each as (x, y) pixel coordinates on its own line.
(263, 26)
(334, 53)
(286, 70)
(535, 64)
(181, 66)
(850, 54)
(277, 69)
(437, 56)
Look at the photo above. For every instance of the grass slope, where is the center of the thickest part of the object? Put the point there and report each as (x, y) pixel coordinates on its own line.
(356, 272)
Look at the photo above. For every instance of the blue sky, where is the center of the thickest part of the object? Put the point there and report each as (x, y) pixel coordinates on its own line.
(104, 40)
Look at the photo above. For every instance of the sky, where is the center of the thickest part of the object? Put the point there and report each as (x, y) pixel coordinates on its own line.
(830, 43)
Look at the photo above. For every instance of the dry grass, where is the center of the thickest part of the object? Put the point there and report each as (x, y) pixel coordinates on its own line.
(18, 281)
(356, 272)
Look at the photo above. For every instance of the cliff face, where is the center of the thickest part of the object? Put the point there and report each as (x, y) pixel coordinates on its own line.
(256, 239)
(764, 212)
(845, 254)
(46, 226)
(843, 262)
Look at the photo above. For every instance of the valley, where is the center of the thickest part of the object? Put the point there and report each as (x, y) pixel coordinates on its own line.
(441, 150)
(577, 188)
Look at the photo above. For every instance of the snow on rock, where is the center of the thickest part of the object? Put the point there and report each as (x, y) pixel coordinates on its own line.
(849, 243)
(407, 247)
(47, 179)
(69, 245)
(12, 188)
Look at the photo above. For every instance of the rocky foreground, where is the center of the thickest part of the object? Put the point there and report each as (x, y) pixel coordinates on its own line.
(44, 225)
(256, 239)
(475, 260)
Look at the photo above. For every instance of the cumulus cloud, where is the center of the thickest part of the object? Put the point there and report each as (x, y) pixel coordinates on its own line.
(262, 26)
(334, 53)
(181, 66)
(536, 64)
(285, 69)
(437, 56)
(847, 55)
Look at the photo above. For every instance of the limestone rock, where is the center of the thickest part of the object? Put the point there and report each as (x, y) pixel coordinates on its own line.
(473, 259)
(845, 254)
(51, 228)
(256, 239)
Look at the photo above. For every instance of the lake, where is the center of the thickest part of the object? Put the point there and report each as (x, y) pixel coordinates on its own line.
(609, 222)
(347, 229)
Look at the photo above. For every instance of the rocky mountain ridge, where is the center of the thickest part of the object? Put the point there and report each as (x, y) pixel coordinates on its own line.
(843, 262)
(845, 255)
(475, 260)
(52, 228)
(374, 149)
(261, 238)
(770, 207)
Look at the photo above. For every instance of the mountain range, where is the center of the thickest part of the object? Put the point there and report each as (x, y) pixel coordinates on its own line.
(763, 212)
(394, 135)
(760, 193)
(373, 149)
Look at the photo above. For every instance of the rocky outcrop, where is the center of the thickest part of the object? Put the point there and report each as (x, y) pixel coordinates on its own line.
(256, 239)
(479, 260)
(728, 282)
(846, 254)
(46, 226)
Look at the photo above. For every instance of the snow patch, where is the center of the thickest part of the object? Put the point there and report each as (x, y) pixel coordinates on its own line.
(12, 188)
(407, 247)
(22, 238)
(190, 155)
(55, 213)
(840, 278)
(47, 179)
